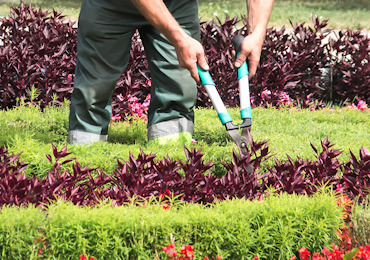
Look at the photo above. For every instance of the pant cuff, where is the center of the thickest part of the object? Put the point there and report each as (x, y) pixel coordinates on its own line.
(170, 127)
(80, 137)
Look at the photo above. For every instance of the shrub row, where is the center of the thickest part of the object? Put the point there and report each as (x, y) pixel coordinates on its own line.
(234, 229)
(303, 65)
(190, 181)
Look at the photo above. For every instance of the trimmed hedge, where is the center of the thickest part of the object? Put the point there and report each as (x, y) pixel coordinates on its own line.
(274, 228)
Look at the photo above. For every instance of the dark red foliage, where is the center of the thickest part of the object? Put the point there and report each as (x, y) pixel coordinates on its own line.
(356, 175)
(293, 62)
(351, 66)
(37, 49)
(190, 181)
(216, 38)
(305, 176)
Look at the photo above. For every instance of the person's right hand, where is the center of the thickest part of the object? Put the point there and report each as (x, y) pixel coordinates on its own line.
(190, 52)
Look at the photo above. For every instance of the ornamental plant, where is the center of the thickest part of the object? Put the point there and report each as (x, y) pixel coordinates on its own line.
(186, 253)
(38, 49)
(297, 67)
(189, 181)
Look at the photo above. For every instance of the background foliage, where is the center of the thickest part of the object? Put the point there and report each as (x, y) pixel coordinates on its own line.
(301, 66)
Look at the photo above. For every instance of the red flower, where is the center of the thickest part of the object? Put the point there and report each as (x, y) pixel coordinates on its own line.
(83, 257)
(187, 251)
(165, 207)
(304, 253)
(170, 249)
(316, 256)
(255, 258)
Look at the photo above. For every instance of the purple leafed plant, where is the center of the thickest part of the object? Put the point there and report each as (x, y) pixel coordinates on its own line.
(191, 181)
(38, 49)
(351, 66)
(297, 67)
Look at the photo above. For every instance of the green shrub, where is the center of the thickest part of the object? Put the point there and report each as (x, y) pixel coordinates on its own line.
(21, 232)
(274, 228)
(360, 231)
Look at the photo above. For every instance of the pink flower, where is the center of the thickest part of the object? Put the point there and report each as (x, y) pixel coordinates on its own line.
(70, 77)
(339, 188)
(132, 99)
(366, 152)
(286, 99)
(362, 105)
(115, 118)
(353, 107)
(170, 249)
(120, 97)
(187, 251)
(265, 93)
(148, 82)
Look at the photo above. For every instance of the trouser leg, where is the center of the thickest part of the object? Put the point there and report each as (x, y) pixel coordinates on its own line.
(102, 54)
(174, 91)
(104, 37)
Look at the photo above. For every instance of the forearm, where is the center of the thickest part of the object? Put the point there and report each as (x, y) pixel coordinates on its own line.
(189, 51)
(157, 14)
(259, 12)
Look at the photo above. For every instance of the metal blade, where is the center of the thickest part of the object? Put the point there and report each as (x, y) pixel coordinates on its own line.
(246, 132)
(242, 142)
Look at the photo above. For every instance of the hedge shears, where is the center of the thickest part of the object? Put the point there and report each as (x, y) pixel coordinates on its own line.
(244, 139)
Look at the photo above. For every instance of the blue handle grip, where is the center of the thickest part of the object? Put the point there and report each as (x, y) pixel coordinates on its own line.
(237, 42)
(243, 70)
(205, 77)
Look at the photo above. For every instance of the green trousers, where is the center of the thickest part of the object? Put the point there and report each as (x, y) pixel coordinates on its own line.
(105, 29)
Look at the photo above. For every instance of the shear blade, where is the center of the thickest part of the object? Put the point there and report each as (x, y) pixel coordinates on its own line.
(240, 141)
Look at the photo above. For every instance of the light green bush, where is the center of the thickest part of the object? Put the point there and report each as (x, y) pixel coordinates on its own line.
(20, 232)
(274, 228)
(360, 230)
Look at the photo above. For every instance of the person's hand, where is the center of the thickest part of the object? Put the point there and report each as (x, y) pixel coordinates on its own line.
(190, 52)
(251, 52)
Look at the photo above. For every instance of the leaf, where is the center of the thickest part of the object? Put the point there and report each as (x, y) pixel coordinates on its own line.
(351, 254)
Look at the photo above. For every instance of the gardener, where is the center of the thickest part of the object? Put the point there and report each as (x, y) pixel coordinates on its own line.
(169, 30)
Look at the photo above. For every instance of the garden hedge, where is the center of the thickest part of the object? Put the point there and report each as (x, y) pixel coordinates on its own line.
(272, 228)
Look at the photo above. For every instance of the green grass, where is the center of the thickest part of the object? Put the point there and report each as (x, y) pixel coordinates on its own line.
(27, 130)
(342, 14)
